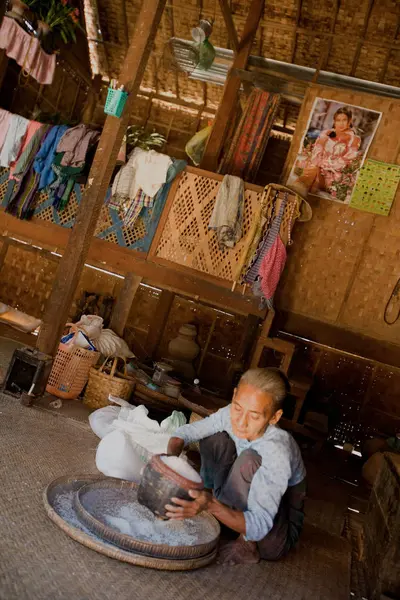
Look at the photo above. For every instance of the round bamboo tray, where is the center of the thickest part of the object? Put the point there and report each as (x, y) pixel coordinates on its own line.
(128, 542)
(63, 515)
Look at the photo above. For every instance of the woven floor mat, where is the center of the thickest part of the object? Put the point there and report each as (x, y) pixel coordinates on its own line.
(39, 562)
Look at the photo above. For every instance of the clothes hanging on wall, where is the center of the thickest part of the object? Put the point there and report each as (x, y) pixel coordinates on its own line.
(248, 144)
(63, 184)
(5, 117)
(33, 127)
(43, 161)
(28, 153)
(74, 145)
(26, 51)
(16, 131)
(227, 216)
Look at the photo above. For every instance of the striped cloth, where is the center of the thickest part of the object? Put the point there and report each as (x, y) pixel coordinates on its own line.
(266, 244)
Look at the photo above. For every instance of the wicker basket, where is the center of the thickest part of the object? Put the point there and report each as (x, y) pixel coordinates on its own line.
(70, 370)
(101, 384)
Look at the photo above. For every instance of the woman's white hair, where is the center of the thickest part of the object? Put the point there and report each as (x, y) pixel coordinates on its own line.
(271, 381)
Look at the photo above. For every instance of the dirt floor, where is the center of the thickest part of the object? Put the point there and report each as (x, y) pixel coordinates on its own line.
(39, 561)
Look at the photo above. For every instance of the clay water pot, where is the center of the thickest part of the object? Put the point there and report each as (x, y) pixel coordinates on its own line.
(160, 483)
(184, 346)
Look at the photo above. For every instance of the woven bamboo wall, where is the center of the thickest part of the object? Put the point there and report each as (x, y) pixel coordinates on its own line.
(344, 263)
(26, 278)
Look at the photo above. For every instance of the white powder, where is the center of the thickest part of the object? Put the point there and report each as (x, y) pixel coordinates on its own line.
(182, 467)
(119, 509)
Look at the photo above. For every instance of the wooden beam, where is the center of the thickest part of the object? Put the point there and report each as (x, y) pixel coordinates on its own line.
(159, 322)
(3, 65)
(230, 25)
(227, 107)
(362, 39)
(121, 310)
(73, 260)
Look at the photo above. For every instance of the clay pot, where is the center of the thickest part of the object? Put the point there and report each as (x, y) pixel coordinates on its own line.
(184, 346)
(159, 484)
(19, 8)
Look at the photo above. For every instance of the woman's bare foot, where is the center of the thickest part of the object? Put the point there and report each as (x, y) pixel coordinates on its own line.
(239, 552)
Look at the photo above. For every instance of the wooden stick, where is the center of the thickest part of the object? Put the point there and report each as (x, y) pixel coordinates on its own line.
(230, 25)
(72, 262)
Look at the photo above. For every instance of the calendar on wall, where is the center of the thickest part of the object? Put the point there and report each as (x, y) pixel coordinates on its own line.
(376, 186)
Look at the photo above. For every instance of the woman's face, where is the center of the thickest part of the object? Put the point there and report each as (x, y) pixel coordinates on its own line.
(341, 123)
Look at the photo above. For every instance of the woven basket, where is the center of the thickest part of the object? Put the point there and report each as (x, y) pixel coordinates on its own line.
(101, 384)
(70, 370)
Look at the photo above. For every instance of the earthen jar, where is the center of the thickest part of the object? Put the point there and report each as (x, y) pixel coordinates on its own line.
(160, 483)
(184, 346)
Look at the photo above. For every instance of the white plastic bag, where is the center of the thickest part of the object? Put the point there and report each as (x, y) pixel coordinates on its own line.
(101, 420)
(116, 457)
(133, 440)
(92, 325)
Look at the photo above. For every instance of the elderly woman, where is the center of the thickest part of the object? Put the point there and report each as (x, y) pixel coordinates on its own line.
(334, 150)
(253, 469)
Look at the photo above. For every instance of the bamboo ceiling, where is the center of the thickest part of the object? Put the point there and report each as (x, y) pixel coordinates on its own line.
(359, 38)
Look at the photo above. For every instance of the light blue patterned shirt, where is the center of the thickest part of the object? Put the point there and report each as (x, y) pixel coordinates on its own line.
(281, 467)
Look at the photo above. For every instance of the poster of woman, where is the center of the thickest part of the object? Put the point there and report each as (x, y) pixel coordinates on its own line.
(333, 149)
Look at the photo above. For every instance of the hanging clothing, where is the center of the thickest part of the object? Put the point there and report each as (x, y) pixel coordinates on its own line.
(75, 144)
(29, 152)
(145, 171)
(65, 177)
(33, 127)
(248, 144)
(227, 216)
(27, 51)
(271, 269)
(45, 157)
(12, 144)
(135, 206)
(5, 118)
(266, 243)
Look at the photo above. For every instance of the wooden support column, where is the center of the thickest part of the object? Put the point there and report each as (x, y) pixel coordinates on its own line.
(227, 107)
(3, 65)
(73, 259)
(159, 322)
(121, 310)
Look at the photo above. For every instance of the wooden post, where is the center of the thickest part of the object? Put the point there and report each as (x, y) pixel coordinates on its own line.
(73, 259)
(227, 107)
(121, 310)
(159, 322)
(3, 65)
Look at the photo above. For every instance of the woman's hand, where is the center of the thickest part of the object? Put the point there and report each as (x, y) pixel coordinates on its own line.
(185, 509)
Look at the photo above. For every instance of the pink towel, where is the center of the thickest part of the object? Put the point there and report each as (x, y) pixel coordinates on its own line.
(26, 51)
(30, 132)
(271, 268)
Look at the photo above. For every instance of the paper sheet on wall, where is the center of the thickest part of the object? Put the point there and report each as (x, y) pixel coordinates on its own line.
(376, 187)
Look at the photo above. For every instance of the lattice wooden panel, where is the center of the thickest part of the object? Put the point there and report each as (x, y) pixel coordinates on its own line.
(186, 239)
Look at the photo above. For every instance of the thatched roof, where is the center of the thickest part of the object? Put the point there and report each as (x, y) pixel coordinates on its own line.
(359, 38)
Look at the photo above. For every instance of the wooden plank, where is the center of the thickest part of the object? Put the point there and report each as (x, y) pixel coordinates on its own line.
(123, 304)
(122, 260)
(230, 25)
(159, 322)
(73, 259)
(227, 107)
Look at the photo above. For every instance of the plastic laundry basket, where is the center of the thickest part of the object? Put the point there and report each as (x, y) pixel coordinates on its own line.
(70, 370)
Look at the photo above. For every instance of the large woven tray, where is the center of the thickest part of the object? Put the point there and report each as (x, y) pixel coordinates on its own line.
(58, 502)
(90, 510)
